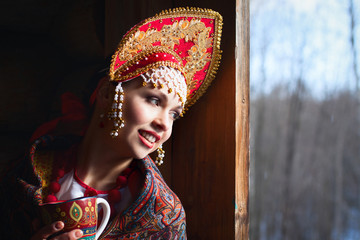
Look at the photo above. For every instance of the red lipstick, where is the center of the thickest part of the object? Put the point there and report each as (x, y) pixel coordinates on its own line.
(147, 142)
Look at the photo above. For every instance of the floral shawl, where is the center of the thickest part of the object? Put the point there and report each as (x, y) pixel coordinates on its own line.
(157, 212)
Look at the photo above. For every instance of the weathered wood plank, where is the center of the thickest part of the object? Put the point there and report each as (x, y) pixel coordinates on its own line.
(242, 120)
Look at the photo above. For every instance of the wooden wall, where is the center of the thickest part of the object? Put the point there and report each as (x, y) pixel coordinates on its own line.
(53, 46)
(204, 147)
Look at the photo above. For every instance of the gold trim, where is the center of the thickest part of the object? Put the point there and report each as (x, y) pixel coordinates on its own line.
(75, 207)
(214, 63)
(142, 55)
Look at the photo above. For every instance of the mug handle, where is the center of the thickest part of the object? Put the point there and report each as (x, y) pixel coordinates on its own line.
(106, 210)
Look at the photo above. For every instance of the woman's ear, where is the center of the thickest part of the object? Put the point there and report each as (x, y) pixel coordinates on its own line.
(105, 93)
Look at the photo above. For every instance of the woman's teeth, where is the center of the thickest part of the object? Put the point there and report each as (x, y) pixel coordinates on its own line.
(148, 137)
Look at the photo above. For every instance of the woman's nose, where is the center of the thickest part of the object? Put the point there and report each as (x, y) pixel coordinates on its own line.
(162, 122)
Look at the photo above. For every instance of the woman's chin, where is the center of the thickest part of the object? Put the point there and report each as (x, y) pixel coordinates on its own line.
(142, 155)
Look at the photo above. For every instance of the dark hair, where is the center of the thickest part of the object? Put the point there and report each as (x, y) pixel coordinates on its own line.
(102, 70)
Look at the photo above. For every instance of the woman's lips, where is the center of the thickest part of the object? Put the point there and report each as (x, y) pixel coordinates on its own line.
(148, 138)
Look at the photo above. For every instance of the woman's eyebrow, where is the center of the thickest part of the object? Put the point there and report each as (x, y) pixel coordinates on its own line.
(180, 108)
(163, 96)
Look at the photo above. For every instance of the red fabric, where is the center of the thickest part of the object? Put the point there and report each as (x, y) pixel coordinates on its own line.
(155, 57)
(136, 182)
(88, 188)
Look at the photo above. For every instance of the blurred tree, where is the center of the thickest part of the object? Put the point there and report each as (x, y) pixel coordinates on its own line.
(305, 142)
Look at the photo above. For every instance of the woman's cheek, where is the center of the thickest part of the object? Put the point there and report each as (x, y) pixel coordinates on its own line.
(143, 115)
(135, 113)
(168, 134)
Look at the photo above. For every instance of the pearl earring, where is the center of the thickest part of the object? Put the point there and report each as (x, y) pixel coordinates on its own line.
(116, 111)
(160, 156)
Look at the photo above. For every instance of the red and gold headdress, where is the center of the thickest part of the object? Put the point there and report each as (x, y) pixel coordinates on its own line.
(183, 44)
(186, 39)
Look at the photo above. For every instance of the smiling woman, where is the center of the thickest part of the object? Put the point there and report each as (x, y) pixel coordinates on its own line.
(161, 67)
(148, 115)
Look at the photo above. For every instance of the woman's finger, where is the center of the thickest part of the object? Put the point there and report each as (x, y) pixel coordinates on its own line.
(72, 235)
(48, 230)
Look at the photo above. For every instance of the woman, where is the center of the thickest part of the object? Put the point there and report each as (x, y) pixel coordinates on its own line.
(162, 66)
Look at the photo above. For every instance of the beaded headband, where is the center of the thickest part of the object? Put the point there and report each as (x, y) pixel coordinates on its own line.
(185, 39)
(167, 76)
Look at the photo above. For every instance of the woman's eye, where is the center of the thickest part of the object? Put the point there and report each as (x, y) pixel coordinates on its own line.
(154, 100)
(175, 115)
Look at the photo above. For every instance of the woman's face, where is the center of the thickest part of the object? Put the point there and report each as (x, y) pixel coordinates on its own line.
(149, 114)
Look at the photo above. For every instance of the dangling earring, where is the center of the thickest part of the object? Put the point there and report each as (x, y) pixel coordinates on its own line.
(160, 156)
(116, 111)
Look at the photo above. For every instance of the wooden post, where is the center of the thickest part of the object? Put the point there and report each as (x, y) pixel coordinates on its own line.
(242, 120)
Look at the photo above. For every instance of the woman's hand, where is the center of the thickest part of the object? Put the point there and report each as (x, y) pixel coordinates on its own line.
(56, 227)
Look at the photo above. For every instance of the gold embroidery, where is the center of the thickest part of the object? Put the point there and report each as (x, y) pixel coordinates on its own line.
(141, 55)
(141, 41)
(42, 165)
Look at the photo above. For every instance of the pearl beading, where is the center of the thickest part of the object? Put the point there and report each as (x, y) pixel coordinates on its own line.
(116, 111)
(167, 76)
(160, 156)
